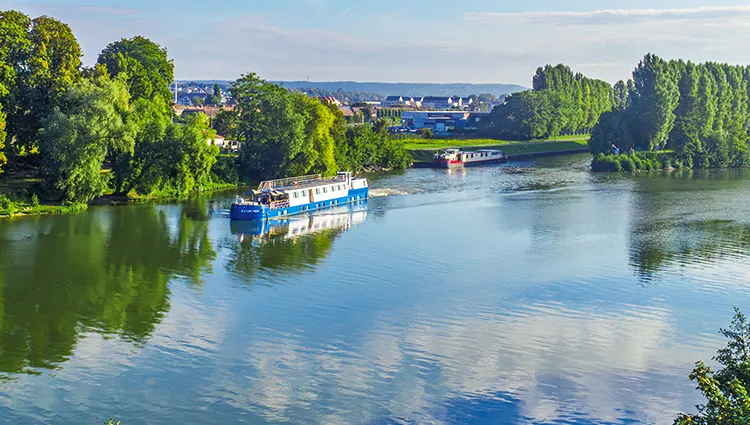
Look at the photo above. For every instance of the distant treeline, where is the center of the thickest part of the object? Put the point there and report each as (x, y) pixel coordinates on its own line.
(341, 95)
(701, 111)
(561, 102)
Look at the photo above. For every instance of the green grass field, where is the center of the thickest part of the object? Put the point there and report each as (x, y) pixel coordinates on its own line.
(423, 149)
(440, 143)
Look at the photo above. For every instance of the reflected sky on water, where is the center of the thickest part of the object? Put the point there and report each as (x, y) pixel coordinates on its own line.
(527, 293)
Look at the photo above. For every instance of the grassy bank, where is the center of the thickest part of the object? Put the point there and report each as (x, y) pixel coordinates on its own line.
(423, 149)
(444, 143)
(17, 198)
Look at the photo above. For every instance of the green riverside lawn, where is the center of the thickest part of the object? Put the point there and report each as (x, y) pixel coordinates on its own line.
(423, 149)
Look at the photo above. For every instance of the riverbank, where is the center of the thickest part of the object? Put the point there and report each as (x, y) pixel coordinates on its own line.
(514, 149)
(14, 202)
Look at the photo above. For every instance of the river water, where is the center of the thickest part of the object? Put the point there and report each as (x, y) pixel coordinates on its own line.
(526, 293)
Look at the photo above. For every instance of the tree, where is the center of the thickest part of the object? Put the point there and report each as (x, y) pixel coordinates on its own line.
(3, 134)
(77, 136)
(226, 123)
(198, 101)
(215, 98)
(272, 127)
(726, 390)
(562, 102)
(147, 65)
(613, 129)
(188, 168)
(49, 67)
(426, 133)
(15, 46)
(147, 71)
(487, 97)
(654, 103)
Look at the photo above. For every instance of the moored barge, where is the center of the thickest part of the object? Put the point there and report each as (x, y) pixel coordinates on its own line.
(453, 158)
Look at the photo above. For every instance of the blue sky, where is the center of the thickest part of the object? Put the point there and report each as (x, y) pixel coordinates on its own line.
(480, 41)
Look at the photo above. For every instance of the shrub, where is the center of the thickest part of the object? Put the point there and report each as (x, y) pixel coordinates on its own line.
(637, 161)
(7, 207)
(626, 163)
(426, 133)
(606, 163)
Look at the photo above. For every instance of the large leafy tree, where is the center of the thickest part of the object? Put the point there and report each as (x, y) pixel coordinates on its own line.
(52, 66)
(656, 97)
(726, 390)
(147, 65)
(188, 166)
(15, 46)
(272, 127)
(147, 71)
(77, 136)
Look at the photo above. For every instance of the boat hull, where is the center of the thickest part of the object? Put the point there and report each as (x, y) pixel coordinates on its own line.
(458, 164)
(262, 212)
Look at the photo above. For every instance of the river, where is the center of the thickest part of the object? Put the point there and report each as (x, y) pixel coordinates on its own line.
(527, 293)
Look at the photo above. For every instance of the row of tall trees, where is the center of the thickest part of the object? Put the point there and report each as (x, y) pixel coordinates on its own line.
(561, 102)
(698, 110)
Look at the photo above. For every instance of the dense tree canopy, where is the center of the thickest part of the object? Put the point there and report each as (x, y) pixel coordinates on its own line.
(77, 136)
(40, 59)
(111, 128)
(561, 102)
(147, 65)
(698, 110)
(287, 133)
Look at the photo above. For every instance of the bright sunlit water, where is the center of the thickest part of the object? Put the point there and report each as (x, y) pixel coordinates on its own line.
(519, 294)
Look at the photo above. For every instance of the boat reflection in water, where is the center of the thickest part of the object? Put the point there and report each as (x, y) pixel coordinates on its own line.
(340, 219)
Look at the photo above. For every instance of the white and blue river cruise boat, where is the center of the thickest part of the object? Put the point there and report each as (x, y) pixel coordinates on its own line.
(283, 197)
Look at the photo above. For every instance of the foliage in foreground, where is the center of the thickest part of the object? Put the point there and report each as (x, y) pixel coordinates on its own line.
(726, 389)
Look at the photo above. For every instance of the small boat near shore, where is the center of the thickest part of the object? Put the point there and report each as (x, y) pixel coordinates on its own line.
(296, 195)
(454, 158)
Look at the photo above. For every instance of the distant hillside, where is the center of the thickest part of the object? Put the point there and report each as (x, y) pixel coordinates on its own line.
(407, 89)
(387, 89)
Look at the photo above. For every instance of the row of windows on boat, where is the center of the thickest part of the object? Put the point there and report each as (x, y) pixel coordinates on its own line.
(323, 204)
(319, 190)
(482, 155)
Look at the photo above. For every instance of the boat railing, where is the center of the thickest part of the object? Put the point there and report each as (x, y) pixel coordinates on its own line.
(289, 181)
(302, 181)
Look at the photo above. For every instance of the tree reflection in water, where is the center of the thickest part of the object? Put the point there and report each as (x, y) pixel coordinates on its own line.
(106, 271)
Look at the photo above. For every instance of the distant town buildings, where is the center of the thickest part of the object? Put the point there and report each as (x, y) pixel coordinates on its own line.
(428, 102)
(210, 111)
(438, 113)
(442, 121)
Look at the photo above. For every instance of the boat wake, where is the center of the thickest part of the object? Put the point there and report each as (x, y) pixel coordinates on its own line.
(391, 191)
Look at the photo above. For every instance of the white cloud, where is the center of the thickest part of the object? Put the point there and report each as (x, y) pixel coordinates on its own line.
(597, 16)
(552, 362)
